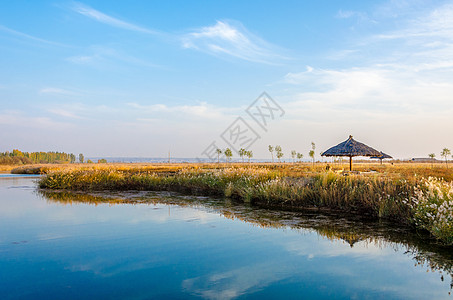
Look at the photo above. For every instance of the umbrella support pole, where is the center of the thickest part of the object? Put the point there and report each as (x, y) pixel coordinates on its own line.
(350, 163)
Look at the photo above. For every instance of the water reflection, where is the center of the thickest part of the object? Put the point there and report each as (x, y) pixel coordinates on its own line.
(362, 234)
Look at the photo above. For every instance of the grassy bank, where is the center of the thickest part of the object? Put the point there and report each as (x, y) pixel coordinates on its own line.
(405, 170)
(424, 203)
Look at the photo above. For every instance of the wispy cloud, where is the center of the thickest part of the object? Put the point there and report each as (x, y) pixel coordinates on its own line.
(64, 113)
(437, 23)
(358, 15)
(82, 59)
(104, 56)
(29, 37)
(202, 110)
(403, 88)
(56, 91)
(21, 119)
(106, 19)
(225, 39)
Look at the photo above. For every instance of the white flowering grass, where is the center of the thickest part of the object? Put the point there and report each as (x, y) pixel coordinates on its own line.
(432, 205)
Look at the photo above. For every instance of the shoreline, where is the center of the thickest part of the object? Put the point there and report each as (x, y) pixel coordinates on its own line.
(412, 202)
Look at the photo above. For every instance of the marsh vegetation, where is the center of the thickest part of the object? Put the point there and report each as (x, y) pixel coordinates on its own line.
(408, 195)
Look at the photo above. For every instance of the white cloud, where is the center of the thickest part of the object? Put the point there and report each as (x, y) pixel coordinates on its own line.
(235, 282)
(106, 19)
(201, 111)
(82, 59)
(64, 113)
(104, 57)
(20, 119)
(400, 92)
(56, 91)
(360, 16)
(225, 39)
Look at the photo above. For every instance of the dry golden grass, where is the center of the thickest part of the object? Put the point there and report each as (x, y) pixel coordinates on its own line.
(407, 171)
(6, 168)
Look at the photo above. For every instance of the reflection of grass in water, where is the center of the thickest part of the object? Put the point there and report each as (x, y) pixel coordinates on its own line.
(332, 226)
(372, 195)
(77, 198)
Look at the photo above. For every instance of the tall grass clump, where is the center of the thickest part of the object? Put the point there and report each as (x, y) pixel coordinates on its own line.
(375, 196)
(432, 206)
(189, 180)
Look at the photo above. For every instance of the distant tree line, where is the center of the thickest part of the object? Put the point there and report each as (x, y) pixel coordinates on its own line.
(17, 157)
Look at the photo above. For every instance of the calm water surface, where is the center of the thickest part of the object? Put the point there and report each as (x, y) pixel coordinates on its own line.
(160, 245)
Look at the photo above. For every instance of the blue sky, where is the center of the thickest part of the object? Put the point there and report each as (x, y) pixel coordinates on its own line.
(138, 78)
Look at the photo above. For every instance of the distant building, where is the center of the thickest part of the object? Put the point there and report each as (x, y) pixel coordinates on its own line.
(423, 159)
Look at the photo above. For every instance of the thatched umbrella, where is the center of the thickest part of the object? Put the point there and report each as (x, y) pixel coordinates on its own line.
(382, 156)
(351, 148)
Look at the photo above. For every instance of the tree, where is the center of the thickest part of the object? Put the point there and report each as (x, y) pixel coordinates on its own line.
(102, 161)
(299, 156)
(278, 152)
(242, 153)
(81, 158)
(293, 154)
(271, 150)
(249, 154)
(218, 151)
(89, 161)
(228, 154)
(312, 152)
(432, 156)
(445, 153)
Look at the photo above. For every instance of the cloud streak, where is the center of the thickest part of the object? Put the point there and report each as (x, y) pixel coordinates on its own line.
(56, 91)
(224, 39)
(200, 111)
(96, 15)
(29, 37)
(227, 40)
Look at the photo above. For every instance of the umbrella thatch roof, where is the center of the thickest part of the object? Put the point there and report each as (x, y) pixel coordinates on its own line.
(382, 156)
(350, 148)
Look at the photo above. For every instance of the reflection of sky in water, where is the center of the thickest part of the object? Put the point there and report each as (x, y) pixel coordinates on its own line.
(158, 251)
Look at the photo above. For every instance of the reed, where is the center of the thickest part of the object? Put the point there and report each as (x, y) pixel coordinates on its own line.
(375, 195)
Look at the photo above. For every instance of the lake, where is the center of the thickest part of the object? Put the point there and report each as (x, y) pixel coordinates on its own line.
(145, 245)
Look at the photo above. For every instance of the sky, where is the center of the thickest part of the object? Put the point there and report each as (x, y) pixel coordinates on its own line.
(142, 78)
